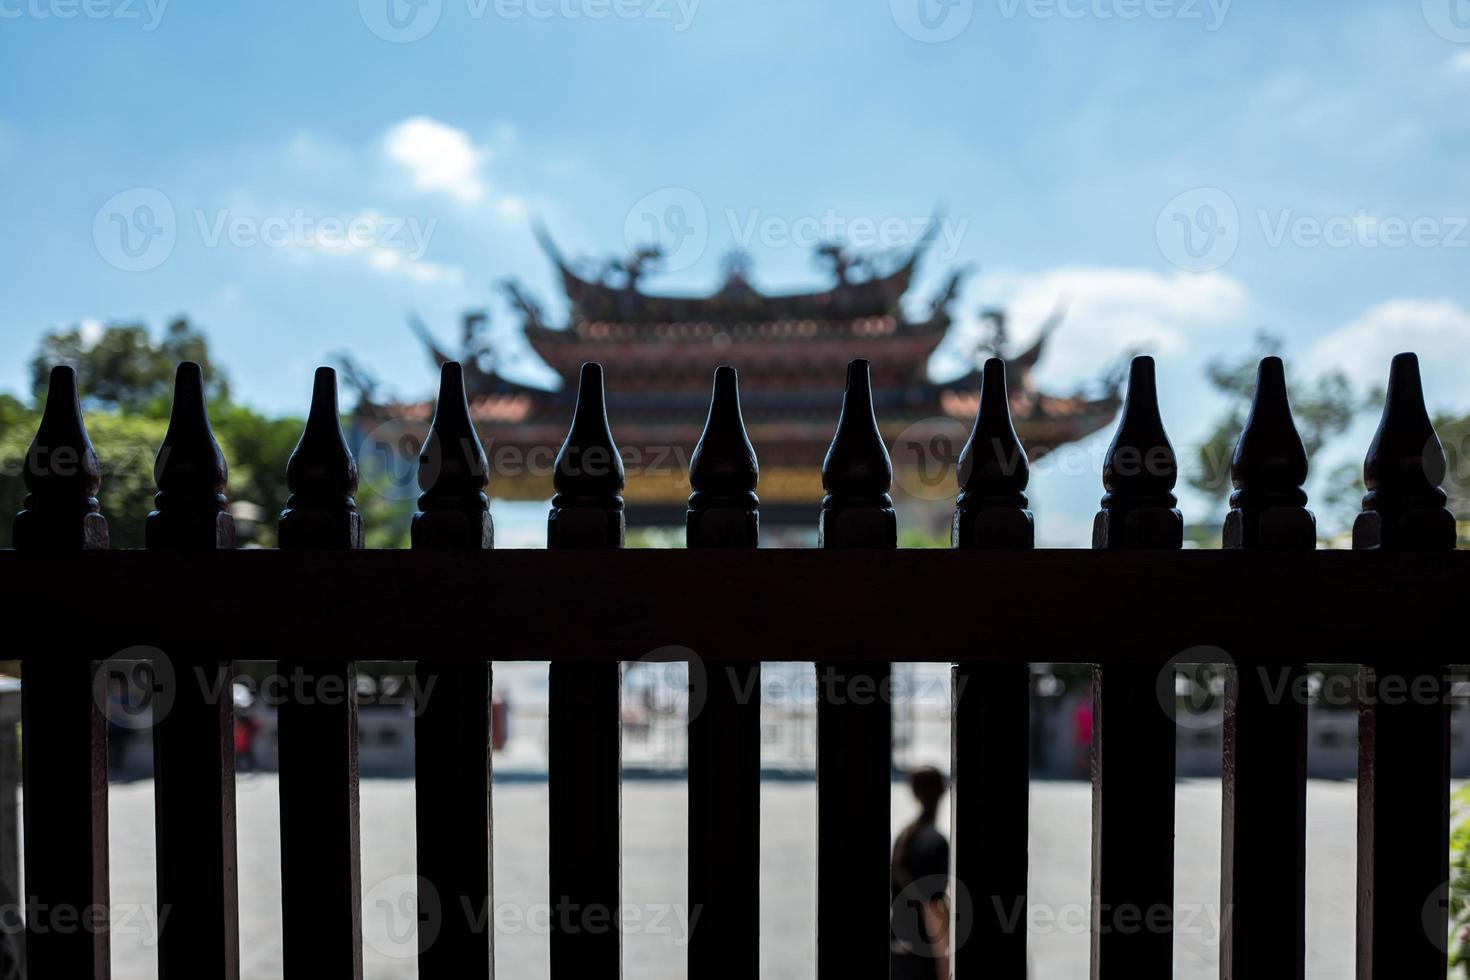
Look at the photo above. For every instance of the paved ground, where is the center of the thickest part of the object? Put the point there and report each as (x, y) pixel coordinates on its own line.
(654, 872)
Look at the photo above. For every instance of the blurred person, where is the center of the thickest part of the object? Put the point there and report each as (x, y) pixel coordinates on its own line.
(919, 938)
(1082, 734)
(247, 727)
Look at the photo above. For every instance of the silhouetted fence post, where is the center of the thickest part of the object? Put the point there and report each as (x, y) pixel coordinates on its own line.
(1403, 709)
(65, 731)
(724, 715)
(991, 720)
(452, 722)
(12, 928)
(585, 738)
(854, 713)
(321, 882)
(1133, 734)
(1264, 769)
(194, 730)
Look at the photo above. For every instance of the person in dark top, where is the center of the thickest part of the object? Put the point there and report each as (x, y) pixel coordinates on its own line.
(919, 938)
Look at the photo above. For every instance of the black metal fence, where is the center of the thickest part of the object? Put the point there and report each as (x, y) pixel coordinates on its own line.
(1133, 604)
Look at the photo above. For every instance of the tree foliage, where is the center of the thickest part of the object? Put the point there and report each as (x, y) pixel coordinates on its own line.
(126, 379)
(124, 368)
(1323, 408)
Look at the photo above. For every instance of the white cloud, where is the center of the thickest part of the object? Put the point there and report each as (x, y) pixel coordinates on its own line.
(1112, 311)
(393, 262)
(1437, 330)
(438, 157)
(1460, 63)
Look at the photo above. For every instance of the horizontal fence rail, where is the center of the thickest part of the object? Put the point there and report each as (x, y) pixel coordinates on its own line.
(1136, 606)
(513, 606)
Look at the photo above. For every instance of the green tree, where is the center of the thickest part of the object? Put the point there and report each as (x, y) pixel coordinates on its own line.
(126, 380)
(1323, 408)
(124, 368)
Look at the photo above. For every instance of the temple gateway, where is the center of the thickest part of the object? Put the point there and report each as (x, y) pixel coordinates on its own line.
(792, 352)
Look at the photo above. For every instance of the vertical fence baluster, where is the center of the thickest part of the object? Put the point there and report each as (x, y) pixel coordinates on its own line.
(1133, 734)
(585, 739)
(452, 726)
(854, 716)
(1264, 767)
(65, 733)
(321, 884)
(992, 711)
(193, 733)
(724, 715)
(1403, 710)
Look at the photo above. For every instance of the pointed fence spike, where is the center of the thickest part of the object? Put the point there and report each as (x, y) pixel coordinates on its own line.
(1268, 507)
(1404, 507)
(990, 511)
(453, 511)
(191, 475)
(194, 761)
(1403, 742)
(584, 705)
(64, 751)
(1133, 740)
(587, 510)
(1264, 768)
(854, 735)
(322, 478)
(1139, 473)
(62, 477)
(857, 511)
(991, 704)
(723, 473)
(725, 734)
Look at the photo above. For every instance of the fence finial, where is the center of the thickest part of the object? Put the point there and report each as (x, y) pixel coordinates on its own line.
(857, 511)
(322, 478)
(62, 477)
(1405, 465)
(1268, 507)
(453, 511)
(723, 473)
(990, 511)
(191, 475)
(1139, 473)
(587, 510)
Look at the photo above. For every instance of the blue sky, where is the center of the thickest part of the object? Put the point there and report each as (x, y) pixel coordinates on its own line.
(1314, 153)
